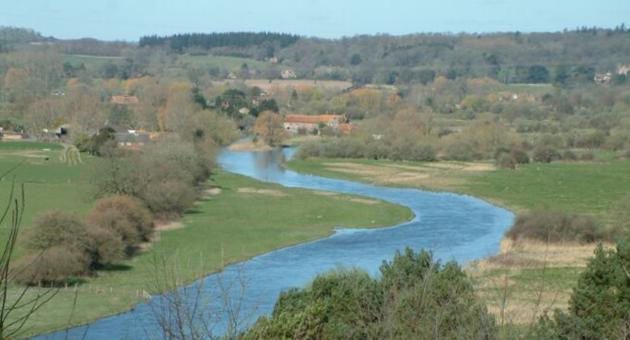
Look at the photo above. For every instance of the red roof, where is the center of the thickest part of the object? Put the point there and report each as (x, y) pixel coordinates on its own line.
(311, 119)
(345, 128)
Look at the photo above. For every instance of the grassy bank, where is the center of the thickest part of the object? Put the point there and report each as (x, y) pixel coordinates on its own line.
(585, 188)
(525, 278)
(245, 219)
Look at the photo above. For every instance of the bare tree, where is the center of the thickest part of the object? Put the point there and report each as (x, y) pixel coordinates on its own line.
(19, 304)
(211, 308)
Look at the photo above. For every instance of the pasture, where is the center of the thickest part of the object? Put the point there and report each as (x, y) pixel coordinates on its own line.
(237, 218)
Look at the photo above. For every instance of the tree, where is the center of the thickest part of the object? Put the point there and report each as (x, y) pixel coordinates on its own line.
(61, 245)
(356, 59)
(16, 306)
(55, 228)
(537, 74)
(415, 297)
(43, 114)
(124, 217)
(599, 307)
(269, 128)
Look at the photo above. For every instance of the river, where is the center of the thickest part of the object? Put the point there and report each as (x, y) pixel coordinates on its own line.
(454, 227)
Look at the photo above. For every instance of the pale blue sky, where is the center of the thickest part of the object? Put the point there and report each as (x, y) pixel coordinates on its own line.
(130, 19)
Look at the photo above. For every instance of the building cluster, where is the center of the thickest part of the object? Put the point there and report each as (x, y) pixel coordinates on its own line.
(313, 124)
(605, 78)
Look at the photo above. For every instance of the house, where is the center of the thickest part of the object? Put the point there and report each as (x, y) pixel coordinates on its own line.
(132, 138)
(295, 124)
(623, 70)
(288, 74)
(124, 100)
(603, 78)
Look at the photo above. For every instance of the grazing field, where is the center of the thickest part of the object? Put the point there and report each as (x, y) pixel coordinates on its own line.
(237, 219)
(92, 63)
(273, 86)
(48, 182)
(580, 187)
(585, 188)
(230, 63)
(525, 278)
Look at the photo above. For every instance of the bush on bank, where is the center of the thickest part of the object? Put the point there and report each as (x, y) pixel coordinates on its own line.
(415, 297)
(552, 226)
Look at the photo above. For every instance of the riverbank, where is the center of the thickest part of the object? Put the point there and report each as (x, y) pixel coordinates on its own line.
(245, 219)
(524, 279)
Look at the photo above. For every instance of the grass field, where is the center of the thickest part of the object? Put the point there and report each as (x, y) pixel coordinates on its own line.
(230, 63)
(581, 187)
(524, 279)
(92, 63)
(48, 182)
(585, 188)
(247, 218)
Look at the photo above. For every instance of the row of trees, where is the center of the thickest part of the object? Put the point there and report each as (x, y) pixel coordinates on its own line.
(180, 42)
(564, 58)
(134, 187)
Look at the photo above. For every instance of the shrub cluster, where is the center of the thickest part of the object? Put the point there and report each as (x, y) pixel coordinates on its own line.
(356, 148)
(511, 158)
(414, 298)
(550, 226)
(65, 246)
(546, 154)
(163, 175)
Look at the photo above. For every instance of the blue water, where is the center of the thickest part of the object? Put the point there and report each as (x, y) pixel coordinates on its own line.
(454, 227)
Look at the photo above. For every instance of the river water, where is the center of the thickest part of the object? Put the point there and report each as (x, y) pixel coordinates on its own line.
(454, 227)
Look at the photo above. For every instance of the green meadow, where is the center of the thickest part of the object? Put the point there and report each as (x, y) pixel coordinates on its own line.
(592, 188)
(242, 219)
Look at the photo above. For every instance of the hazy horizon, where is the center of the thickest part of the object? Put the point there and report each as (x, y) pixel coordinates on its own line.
(126, 20)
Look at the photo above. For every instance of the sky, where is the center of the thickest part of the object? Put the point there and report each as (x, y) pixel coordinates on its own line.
(131, 19)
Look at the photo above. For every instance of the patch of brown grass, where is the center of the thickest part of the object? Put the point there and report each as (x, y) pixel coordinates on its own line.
(436, 176)
(517, 302)
(266, 192)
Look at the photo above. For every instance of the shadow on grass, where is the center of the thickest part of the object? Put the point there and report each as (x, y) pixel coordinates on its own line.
(116, 267)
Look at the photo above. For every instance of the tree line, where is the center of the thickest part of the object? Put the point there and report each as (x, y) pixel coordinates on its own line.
(179, 42)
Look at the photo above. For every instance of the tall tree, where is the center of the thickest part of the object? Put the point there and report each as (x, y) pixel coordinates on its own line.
(269, 128)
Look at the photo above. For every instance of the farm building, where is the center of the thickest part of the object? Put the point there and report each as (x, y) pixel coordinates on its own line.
(132, 138)
(288, 74)
(295, 124)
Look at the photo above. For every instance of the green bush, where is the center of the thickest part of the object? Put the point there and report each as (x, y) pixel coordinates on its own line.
(599, 307)
(415, 297)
